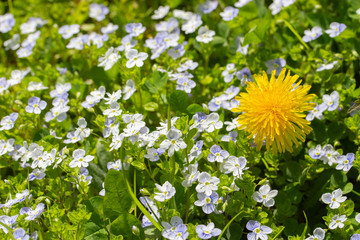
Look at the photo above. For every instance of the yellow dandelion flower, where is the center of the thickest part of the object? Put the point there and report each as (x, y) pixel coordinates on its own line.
(273, 111)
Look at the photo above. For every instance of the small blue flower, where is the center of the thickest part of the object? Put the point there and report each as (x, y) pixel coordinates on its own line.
(35, 105)
(229, 13)
(32, 213)
(258, 231)
(316, 153)
(312, 34)
(217, 154)
(345, 162)
(355, 237)
(98, 11)
(244, 75)
(207, 202)
(207, 232)
(8, 122)
(20, 234)
(37, 174)
(275, 64)
(208, 6)
(335, 29)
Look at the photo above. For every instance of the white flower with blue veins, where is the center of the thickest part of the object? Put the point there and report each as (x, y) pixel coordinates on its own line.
(207, 184)
(173, 142)
(258, 231)
(161, 12)
(317, 112)
(79, 159)
(205, 35)
(217, 154)
(318, 234)
(331, 101)
(35, 105)
(235, 165)
(166, 191)
(8, 122)
(345, 162)
(135, 58)
(335, 29)
(337, 221)
(275, 64)
(265, 195)
(327, 66)
(312, 34)
(330, 155)
(229, 13)
(98, 11)
(207, 231)
(333, 199)
(241, 3)
(317, 152)
(109, 59)
(207, 202)
(357, 217)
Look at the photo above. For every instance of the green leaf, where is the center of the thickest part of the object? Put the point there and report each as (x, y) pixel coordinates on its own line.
(103, 156)
(123, 226)
(179, 100)
(117, 199)
(41, 134)
(151, 106)
(160, 79)
(138, 165)
(95, 206)
(194, 108)
(258, 34)
(223, 29)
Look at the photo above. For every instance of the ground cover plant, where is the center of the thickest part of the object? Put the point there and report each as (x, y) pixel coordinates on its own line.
(180, 119)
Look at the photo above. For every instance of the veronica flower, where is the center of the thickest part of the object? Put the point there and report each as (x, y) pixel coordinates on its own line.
(8, 221)
(110, 28)
(12, 43)
(173, 141)
(98, 11)
(8, 122)
(345, 162)
(265, 195)
(161, 12)
(235, 165)
(333, 199)
(326, 66)
(335, 29)
(188, 65)
(7, 22)
(337, 221)
(217, 154)
(20, 234)
(331, 101)
(267, 106)
(79, 159)
(207, 184)
(355, 236)
(32, 213)
(109, 59)
(229, 13)
(318, 234)
(316, 112)
(330, 155)
(207, 232)
(37, 174)
(135, 58)
(316, 153)
(258, 231)
(35, 105)
(207, 202)
(67, 31)
(205, 35)
(153, 154)
(241, 3)
(312, 34)
(134, 29)
(192, 176)
(166, 191)
(275, 64)
(229, 72)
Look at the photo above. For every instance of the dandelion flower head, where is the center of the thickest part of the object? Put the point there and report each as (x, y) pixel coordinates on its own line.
(274, 111)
